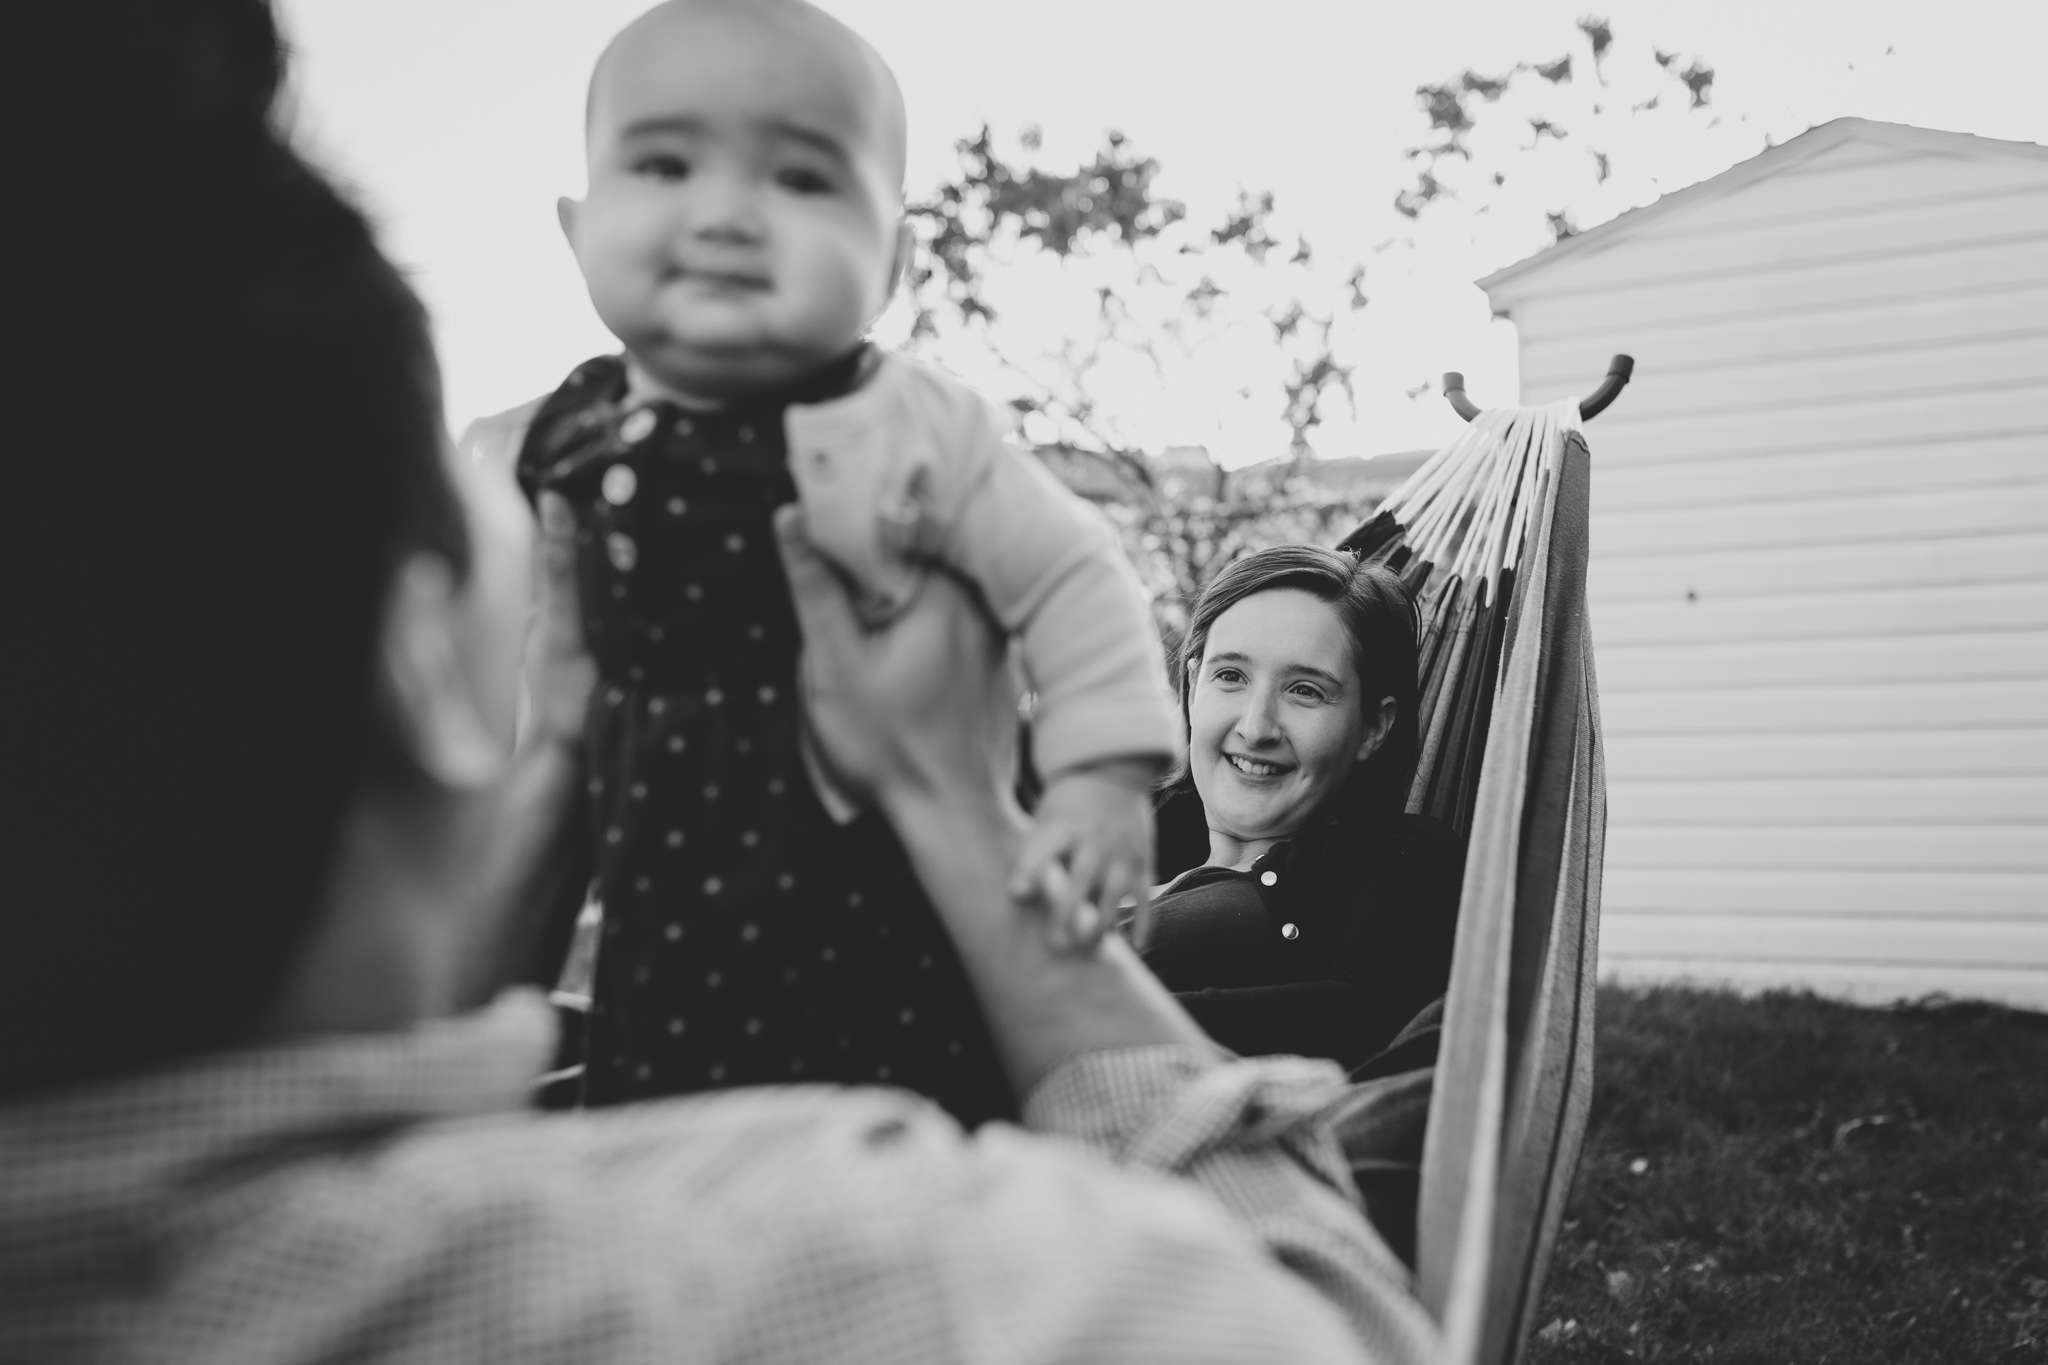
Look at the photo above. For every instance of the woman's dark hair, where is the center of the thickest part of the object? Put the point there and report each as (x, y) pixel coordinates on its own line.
(1380, 618)
(224, 435)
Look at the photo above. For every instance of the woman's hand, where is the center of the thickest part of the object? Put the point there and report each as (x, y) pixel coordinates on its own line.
(925, 709)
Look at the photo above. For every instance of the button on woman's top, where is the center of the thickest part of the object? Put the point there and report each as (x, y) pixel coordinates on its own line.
(1324, 947)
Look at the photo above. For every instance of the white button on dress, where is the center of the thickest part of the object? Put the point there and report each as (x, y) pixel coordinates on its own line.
(638, 426)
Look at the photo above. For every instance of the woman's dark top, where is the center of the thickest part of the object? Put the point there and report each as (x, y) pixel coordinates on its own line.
(1326, 947)
(748, 938)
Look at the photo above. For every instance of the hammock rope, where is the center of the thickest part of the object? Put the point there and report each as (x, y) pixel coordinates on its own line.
(1489, 534)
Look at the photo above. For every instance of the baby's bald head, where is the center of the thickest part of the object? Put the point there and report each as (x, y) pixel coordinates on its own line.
(744, 223)
(828, 68)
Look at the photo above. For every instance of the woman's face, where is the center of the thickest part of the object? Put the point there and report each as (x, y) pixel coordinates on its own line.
(1276, 719)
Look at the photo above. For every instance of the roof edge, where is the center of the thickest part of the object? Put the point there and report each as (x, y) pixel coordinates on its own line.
(1772, 160)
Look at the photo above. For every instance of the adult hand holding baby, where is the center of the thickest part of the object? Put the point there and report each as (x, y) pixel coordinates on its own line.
(921, 717)
(926, 706)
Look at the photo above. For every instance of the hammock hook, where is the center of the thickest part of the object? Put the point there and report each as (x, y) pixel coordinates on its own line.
(1619, 370)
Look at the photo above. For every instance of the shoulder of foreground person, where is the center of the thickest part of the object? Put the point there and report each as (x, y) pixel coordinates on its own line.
(1171, 1211)
(810, 1224)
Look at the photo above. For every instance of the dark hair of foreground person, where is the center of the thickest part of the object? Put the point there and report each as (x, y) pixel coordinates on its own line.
(223, 410)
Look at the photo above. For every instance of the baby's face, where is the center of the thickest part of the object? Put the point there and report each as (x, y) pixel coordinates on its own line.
(742, 219)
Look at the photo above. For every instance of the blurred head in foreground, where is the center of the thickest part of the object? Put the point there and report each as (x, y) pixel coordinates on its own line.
(743, 223)
(251, 589)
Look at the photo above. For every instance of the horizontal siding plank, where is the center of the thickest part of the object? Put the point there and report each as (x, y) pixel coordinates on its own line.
(1621, 437)
(1810, 938)
(1981, 266)
(1754, 572)
(1780, 338)
(1852, 707)
(2009, 359)
(1831, 801)
(1943, 462)
(1854, 515)
(1777, 248)
(1848, 189)
(1860, 898)
(1902, 611)
(1869, 848)
(1881, 753)
(1899, 658)
(1860, 983)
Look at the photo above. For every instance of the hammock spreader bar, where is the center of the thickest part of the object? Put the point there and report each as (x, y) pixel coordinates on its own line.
(1491, 536)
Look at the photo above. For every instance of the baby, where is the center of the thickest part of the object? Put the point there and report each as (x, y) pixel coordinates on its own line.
(742, 229)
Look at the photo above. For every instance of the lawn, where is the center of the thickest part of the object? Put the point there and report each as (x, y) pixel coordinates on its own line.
(1786, 1179)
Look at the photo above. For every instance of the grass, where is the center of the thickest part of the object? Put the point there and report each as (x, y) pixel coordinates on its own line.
(1789, 1179)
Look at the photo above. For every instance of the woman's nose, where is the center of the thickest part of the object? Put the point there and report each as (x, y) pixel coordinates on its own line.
(1258, 723)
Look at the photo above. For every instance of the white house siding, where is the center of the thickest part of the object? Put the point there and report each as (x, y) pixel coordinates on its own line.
(1820, 563)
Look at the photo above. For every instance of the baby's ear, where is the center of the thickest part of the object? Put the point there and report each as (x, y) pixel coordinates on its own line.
(906, 248)
(566, 212)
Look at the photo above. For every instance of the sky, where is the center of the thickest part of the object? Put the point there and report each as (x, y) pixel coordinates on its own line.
(457, 123)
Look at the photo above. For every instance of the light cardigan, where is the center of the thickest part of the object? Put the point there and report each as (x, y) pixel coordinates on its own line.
(912, 470)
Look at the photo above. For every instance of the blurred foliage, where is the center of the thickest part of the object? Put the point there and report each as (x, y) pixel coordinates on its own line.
(1188, 525)
(1588, 104)
(1160, 283)
(1161, 294)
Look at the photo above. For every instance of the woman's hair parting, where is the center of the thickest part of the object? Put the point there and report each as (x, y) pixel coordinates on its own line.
(1381, 621)
(226, 427)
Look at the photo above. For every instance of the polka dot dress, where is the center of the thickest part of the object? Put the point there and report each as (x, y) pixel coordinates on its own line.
(748, 939)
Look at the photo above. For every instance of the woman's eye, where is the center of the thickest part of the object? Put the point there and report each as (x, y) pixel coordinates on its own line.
(662, 166)
(803, 181)
(1227, 675)
(1307, 691)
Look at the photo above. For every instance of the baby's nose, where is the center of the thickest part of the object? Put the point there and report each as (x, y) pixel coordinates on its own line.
(727, 214)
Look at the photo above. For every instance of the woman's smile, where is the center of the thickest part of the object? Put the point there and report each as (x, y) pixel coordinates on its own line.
(1257, 767)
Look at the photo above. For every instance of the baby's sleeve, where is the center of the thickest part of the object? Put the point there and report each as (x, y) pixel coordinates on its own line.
(494, 441)
(1054, 573)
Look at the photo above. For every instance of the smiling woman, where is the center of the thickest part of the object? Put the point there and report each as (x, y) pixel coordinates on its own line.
(1317, 918)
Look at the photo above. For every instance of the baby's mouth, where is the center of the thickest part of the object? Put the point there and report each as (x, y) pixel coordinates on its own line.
(1252, 767)
(739, 281)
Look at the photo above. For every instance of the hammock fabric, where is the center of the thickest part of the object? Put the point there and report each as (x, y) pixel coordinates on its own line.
(1490, 535)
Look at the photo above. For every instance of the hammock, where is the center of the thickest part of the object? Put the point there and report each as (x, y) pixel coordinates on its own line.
(1490, 536)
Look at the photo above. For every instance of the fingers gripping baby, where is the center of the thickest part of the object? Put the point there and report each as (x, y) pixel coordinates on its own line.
(742, 229)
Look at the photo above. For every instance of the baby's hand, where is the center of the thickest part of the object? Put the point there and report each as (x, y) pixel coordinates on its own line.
(1090, 850)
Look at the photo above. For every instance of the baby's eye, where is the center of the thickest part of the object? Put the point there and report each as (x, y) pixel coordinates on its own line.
(661, 166)
(802, 180)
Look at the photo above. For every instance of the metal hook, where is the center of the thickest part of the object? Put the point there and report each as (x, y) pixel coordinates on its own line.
(1619, 371)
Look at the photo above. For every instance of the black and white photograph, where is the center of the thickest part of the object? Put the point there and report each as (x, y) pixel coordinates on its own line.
(1089, 681)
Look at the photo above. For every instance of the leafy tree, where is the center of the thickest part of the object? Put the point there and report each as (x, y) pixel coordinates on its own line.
(1532, 154)
(1246, 308)
(1164, 298)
